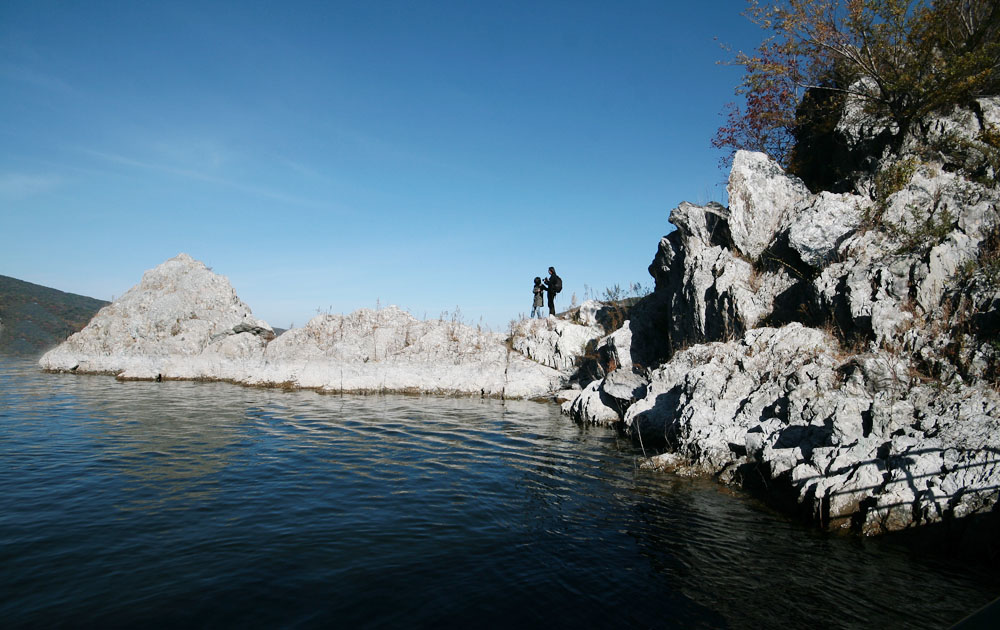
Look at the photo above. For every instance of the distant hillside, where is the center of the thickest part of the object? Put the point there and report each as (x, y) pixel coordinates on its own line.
(34, 318)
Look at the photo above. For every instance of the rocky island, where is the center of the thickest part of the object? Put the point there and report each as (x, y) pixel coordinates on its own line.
(835, 350)
(182, 321)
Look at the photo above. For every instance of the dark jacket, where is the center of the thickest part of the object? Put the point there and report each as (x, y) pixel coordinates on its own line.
(553, 284)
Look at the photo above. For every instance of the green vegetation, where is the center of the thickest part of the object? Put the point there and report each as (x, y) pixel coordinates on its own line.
(990, 137)
(892, 179)
(898, 60)
(889, 180)
(932, 228)
(35, 318)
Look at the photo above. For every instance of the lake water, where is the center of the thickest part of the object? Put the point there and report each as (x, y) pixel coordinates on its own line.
(209, 504)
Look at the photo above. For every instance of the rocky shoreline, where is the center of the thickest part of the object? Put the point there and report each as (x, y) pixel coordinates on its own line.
(182, 321)
(836, 348)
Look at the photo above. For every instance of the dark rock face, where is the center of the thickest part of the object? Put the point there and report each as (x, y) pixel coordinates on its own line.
(834, 348)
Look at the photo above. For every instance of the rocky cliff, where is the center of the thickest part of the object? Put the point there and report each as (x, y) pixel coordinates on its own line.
(838, 349)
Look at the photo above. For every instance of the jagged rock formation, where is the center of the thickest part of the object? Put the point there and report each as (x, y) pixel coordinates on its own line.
(558, 343)
(185, 322)
(761, 199)
(390, 350)
(835, 348)
(853, 439)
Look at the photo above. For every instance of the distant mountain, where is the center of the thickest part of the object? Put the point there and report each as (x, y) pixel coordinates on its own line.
(34, 318)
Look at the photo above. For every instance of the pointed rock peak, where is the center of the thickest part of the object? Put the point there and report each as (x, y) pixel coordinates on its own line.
(183, 260)
(173, 269)
(709, 224)
(179, 309)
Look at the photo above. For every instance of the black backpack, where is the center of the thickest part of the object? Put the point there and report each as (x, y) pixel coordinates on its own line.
(556, 284)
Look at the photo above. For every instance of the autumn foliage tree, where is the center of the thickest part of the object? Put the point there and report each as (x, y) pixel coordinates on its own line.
(898, 60)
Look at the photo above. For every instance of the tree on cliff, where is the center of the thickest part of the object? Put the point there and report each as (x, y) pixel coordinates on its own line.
(898, 59)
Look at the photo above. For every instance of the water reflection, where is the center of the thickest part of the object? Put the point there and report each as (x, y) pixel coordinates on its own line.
(211, 504)
(168, 442)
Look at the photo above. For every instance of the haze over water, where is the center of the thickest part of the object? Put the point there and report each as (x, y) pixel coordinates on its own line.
(208, 504)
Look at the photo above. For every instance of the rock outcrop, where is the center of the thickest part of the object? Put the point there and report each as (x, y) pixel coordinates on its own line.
(390, 350)
(708, 289)
(834, 348)
(761, 199)
(852, 438)
(179, 321)
(185, 322)
(558, 343)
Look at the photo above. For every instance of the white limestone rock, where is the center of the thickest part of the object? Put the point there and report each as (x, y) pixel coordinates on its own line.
(556, 343)
(603, 401)
(989, 108)
(761, 198)
(943, 263)
(855, 432)
(185, 322)
(702, 226)
(715, 293)
(857, 125)
(625, 386)
(960, 131)
(859, 441)
(587, 313)
(711, 394)
(936, 225)
(721, 295)
(592, 406)
(390, 350)
(870, 287)
(821, 224)
(705, 290)
(617, 347)
(178, 310)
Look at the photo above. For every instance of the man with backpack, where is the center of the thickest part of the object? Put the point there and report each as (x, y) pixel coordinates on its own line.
(553, 285)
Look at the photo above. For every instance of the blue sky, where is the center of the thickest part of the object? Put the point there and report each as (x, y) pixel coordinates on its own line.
(337, 155)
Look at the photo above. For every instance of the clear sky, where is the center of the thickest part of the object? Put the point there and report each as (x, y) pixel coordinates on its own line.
(339, 155)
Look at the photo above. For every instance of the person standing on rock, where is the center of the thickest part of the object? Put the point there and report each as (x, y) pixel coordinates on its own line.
(536, 303)
(553, 285)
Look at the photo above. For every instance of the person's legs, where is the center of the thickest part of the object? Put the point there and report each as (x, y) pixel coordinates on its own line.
(552, 304)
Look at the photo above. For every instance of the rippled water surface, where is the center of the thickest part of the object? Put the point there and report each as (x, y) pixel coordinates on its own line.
(208, 504)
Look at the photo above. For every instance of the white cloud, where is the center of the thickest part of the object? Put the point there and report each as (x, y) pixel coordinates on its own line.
(15, 186)
(205, 177)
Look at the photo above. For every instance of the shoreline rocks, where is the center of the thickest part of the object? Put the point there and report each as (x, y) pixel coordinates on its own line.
(831, 352)
(182, 321)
